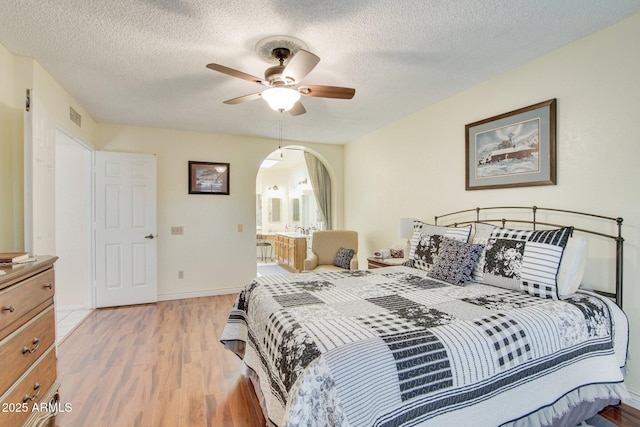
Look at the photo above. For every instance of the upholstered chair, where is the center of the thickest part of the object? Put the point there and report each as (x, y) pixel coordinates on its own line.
(331, 247)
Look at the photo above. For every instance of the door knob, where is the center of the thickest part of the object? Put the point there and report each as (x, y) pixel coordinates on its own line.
(149, 236)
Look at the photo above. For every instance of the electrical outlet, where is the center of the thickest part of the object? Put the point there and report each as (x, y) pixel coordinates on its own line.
(180, 274)
(177, 230)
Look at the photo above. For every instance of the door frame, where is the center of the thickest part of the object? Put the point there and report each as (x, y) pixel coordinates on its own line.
(88, 299)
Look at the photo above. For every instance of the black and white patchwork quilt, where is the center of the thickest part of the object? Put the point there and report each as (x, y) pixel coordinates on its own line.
(394, 347)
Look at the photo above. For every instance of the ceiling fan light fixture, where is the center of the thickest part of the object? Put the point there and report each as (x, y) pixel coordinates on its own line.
(281, 98)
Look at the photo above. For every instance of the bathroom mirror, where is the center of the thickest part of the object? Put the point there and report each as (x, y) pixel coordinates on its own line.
(295, 210)
(274, 209)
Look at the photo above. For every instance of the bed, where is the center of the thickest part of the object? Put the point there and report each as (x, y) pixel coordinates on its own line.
(485, 325)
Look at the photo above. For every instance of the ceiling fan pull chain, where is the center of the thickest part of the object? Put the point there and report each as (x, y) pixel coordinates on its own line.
(280, 135)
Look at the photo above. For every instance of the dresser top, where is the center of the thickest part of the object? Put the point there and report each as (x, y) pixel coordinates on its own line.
(11, 274)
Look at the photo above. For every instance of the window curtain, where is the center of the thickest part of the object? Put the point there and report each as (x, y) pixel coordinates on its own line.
(321, 185)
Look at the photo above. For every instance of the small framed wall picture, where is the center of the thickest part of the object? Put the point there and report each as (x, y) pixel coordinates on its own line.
(208, 178)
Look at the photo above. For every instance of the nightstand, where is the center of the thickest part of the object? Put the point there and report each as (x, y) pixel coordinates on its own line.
(383, 262)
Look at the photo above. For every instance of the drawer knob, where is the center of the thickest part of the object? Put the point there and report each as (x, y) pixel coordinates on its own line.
(34, 396)
(10, 309)
(36, 344)
(49, 286)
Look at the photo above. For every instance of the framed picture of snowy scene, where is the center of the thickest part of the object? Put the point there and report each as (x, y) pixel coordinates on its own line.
(514, 149)
(208, 178)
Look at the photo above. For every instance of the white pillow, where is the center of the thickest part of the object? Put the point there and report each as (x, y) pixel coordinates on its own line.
(572, 266)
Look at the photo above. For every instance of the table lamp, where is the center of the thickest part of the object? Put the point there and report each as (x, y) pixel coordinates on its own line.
(405, 230)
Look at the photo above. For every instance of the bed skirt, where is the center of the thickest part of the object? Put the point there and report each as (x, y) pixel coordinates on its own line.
(571, 409)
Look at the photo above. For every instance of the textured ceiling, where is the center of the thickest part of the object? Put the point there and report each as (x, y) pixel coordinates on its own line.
(142, 62)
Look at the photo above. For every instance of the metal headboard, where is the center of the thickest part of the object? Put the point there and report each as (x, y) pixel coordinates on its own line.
(533, 222)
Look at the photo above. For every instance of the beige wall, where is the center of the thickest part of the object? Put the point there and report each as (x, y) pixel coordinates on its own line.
(11, 157)
(50, 104)
(216, 258)
(57, 102)
(415, 167)
(49, 112)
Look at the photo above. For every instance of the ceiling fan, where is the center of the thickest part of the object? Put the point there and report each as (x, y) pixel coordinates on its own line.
(281, 80)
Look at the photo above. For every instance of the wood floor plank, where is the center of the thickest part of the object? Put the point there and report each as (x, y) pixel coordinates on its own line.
(623, 415)
(167, 412)
(162, 365)
(192, 410)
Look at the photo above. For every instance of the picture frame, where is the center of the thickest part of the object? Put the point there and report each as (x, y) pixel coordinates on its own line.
(514, 149)
(209, 178)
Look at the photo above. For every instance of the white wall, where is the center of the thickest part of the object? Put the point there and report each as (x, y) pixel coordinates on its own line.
(596, 83)
(216, 258)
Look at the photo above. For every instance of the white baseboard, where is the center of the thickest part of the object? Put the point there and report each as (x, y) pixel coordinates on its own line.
(198, 294)
(72, 307)
(634, 400)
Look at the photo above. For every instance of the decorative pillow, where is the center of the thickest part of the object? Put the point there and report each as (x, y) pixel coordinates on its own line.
(343, 258)
(572, 266)
(426, 240)
(424, 249)
(480, 237)
(525, 260)
(455, 262)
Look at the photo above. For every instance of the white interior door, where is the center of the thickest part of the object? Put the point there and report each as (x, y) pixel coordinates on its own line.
(126, 265)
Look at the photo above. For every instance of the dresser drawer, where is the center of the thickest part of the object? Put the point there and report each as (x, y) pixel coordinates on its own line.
(17, 403)
(22, 348)
(22, 298)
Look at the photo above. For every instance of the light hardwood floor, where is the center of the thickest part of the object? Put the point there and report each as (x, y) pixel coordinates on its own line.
(155, 365)
(163, 365)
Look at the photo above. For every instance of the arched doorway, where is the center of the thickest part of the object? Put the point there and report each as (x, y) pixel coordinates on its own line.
(286, 201)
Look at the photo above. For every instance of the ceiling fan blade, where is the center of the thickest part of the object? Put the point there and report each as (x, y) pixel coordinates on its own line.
(297, 109)
(327, 91)
(235, 73)
(299, 66)
(244, 98)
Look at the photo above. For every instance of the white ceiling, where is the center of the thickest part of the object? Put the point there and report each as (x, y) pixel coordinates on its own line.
(142, 62)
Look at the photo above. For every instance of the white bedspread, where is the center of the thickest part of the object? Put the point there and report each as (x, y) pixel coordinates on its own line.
(393, 347)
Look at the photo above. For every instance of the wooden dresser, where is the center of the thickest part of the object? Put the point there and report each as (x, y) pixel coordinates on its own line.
(28, 386)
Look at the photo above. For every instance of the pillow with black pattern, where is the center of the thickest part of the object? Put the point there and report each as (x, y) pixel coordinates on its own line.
(426, 250)
(525, 260)
(343, 258)
(426, 241)
(455, 262)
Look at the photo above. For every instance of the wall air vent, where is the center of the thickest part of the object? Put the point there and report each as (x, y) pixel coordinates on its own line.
(75, 117)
